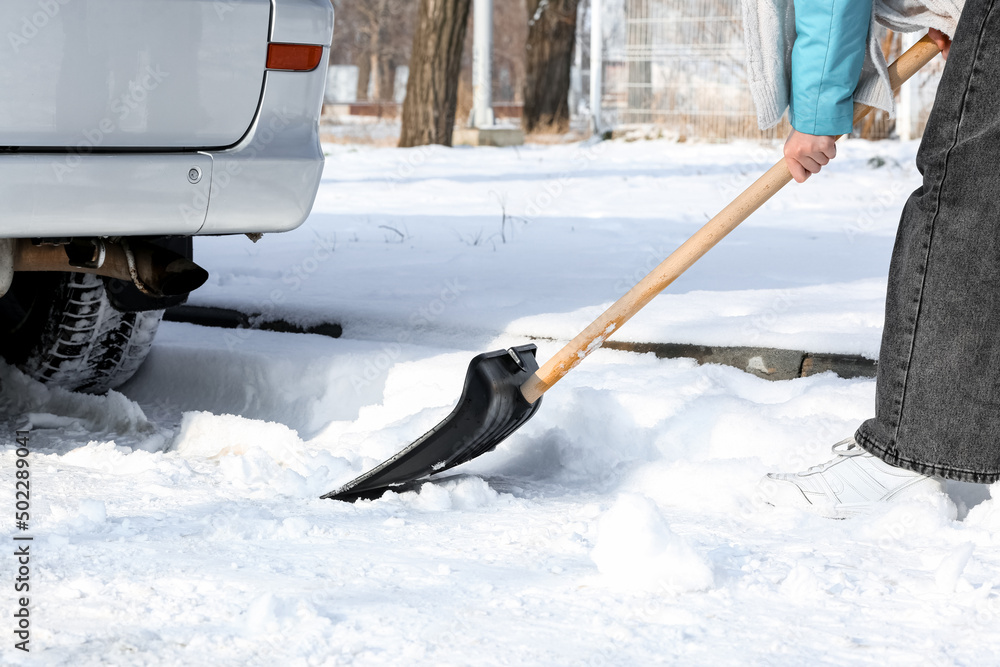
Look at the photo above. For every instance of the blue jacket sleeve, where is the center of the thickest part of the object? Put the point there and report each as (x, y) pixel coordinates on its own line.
(829, 50)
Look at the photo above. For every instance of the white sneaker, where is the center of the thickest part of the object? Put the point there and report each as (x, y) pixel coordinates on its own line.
(852, 483)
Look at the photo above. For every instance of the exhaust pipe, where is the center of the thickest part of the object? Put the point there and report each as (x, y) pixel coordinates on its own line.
(155, 271)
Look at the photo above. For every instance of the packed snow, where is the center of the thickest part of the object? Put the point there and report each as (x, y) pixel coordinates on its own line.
(178, 520)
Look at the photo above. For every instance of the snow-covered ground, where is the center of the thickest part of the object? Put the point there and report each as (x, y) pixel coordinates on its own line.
(178, 521)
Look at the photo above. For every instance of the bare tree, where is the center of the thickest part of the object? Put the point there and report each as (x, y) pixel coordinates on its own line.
(435, 63)
(548, 56)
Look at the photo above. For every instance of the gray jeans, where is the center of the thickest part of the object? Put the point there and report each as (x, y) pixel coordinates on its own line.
(938, 390)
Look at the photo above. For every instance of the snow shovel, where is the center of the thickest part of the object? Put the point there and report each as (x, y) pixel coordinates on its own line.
(503, 389)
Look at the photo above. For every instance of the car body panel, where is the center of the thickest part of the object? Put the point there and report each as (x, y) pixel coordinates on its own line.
(269, 181)
(154, 191)
(108, 74)
(302, 22)
(265, 182)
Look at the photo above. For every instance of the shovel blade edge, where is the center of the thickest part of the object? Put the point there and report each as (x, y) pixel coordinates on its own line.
(490, 409)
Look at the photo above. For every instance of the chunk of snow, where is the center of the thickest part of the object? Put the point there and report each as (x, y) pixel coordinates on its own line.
(637, 550)
(948, 572)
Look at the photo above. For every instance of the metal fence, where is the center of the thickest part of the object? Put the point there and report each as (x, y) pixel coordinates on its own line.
(676, 67)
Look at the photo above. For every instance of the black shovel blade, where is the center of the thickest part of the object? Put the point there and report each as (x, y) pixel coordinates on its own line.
(490, 409)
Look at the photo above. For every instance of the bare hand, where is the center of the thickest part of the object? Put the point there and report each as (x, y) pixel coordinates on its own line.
(805, 154)
(942, 40)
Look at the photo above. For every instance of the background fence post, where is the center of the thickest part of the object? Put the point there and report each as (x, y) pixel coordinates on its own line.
(596, 65)
(482, 64)
(905, 106)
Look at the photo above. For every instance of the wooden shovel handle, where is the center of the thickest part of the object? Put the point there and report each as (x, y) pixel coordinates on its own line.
(691, 250)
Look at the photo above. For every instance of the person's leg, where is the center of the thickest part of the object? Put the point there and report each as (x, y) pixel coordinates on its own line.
(938, 387)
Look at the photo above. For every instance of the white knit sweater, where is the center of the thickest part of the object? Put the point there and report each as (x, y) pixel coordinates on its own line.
(769, 29)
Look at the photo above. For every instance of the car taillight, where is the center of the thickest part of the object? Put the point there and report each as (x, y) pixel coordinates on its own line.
(293, 57)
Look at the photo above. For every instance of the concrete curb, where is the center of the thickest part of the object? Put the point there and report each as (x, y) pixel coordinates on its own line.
(764, 362)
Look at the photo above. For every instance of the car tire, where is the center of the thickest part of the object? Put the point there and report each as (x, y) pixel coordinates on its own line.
(61, 329)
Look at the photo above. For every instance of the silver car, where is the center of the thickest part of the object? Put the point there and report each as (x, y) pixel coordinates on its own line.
(126, 128)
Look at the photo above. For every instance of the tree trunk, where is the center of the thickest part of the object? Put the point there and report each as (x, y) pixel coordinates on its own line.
(375, 71)
(364, 71)
(432, 89)
(551, 36)
(387, 80)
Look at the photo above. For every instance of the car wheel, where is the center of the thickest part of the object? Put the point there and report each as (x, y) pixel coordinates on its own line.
(61, 329)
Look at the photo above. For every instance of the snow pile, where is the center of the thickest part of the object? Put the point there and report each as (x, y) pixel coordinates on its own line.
(253, 454)
(43, 408)
(463, 494)
(294, 380)
(215, 436)
(111, 458)
(986, 515)
(273, 615)
(950, 570)
(636, 549)
(89, 515)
